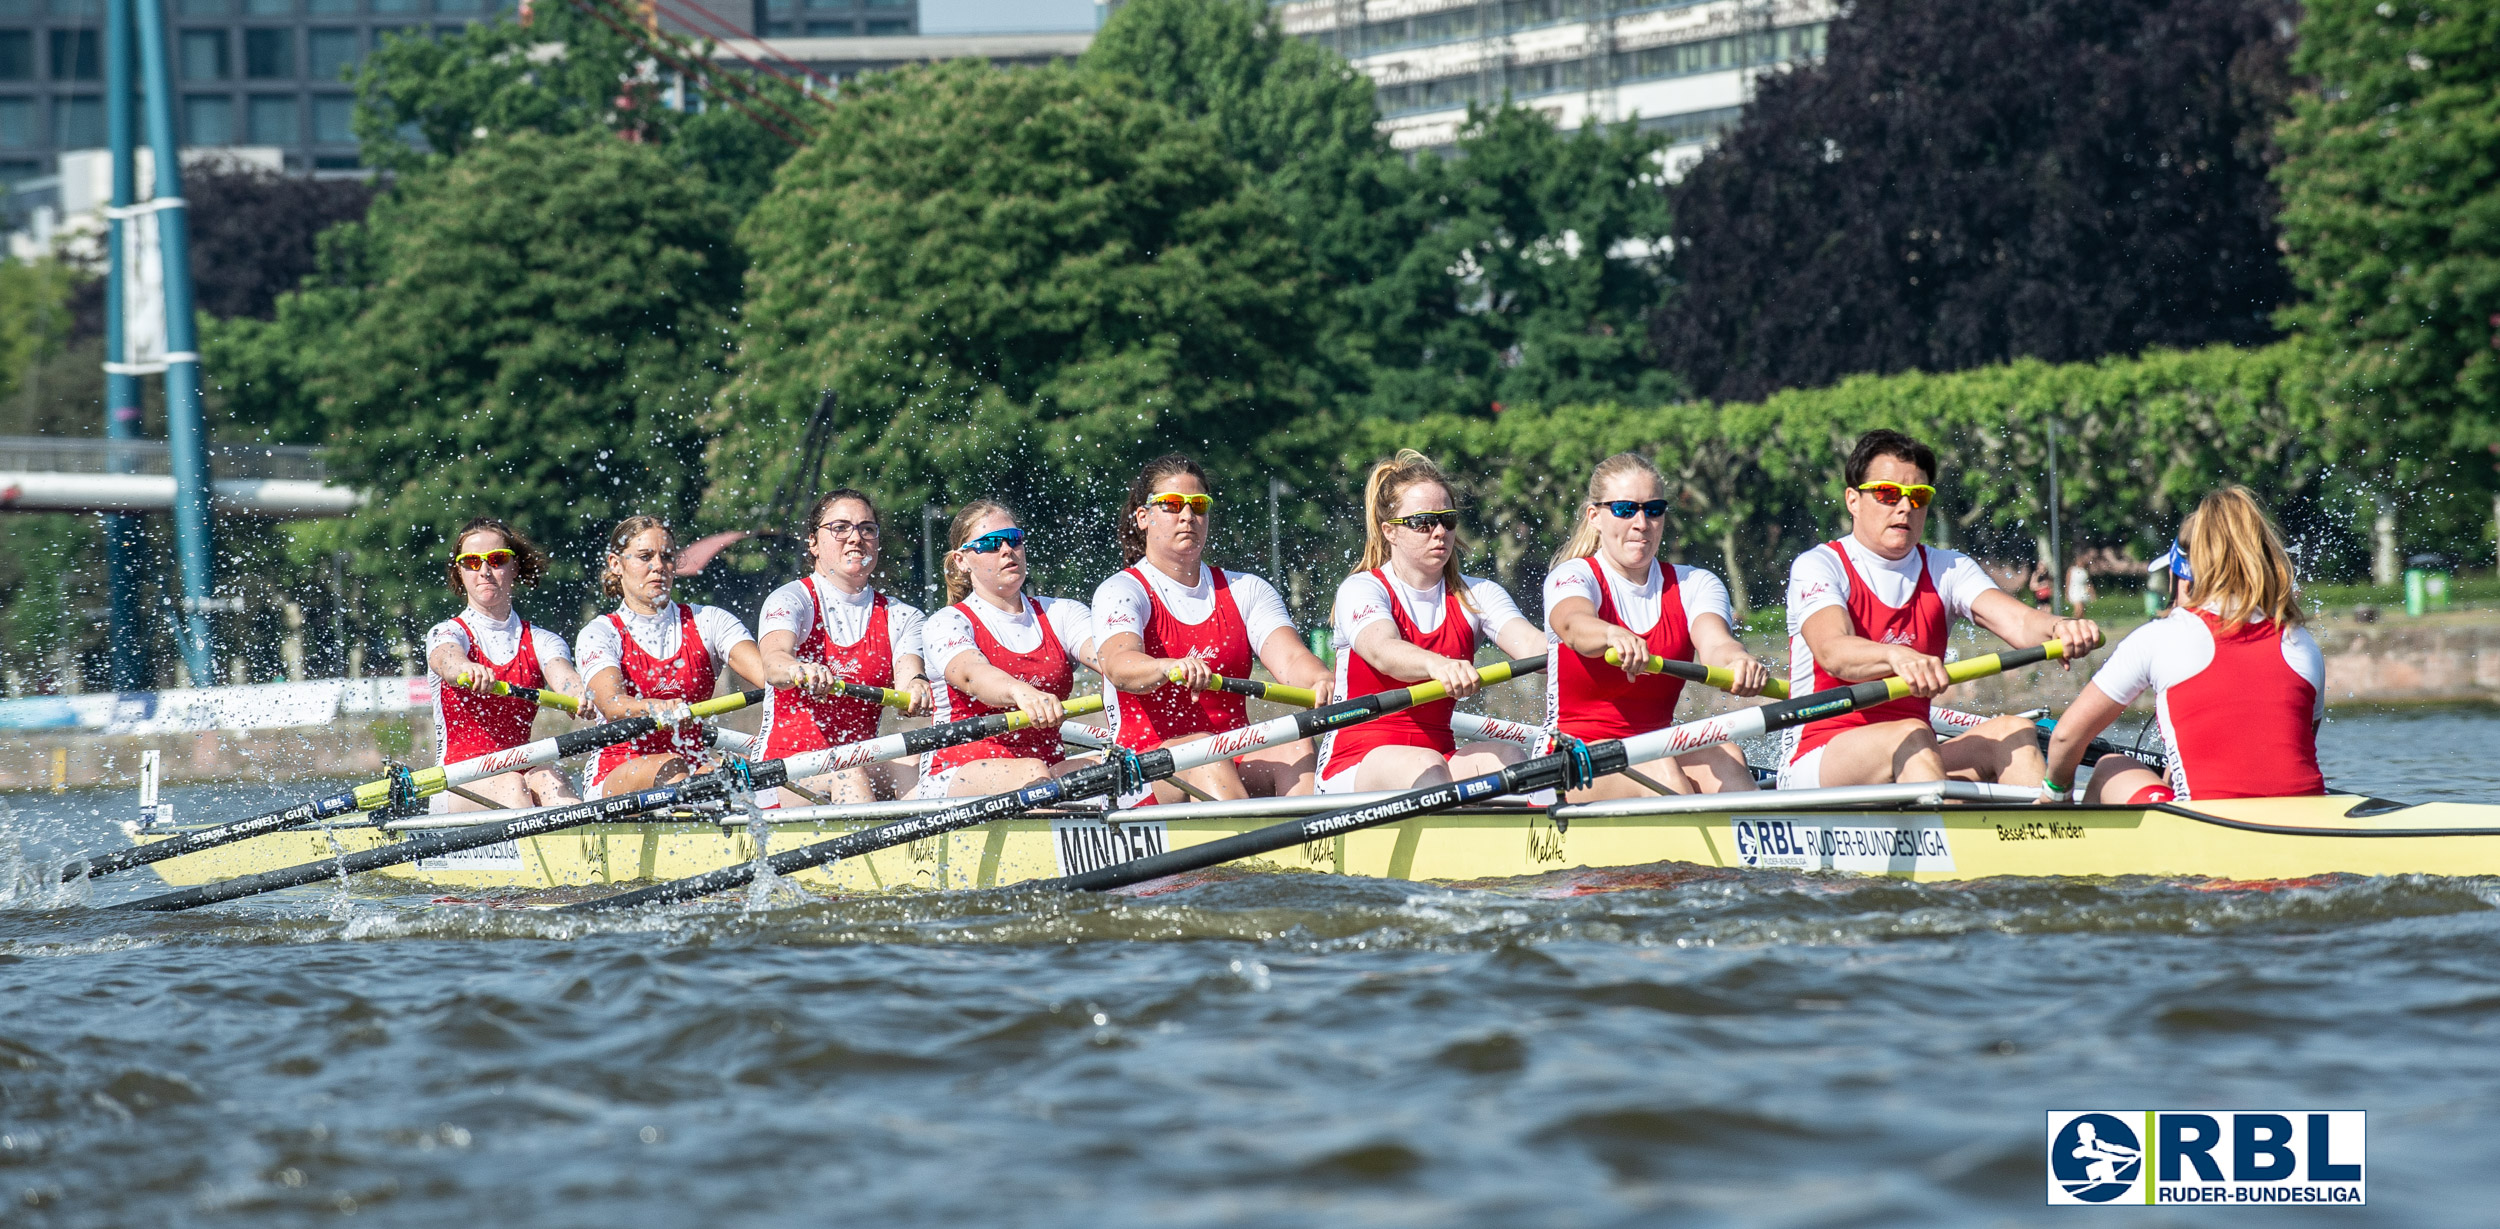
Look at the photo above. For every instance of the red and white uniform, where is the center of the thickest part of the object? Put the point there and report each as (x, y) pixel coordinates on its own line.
(1912, 601)
(2239, 706)
(1041, 644)
(1221, 620)
(1590, 700)
(1432, 619)
(674, 653)
(859, 635)
(468, 725)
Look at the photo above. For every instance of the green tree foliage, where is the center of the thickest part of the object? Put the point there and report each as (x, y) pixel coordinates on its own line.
(34, 318)
(2392, 227)
(530, 330)
(1015, 283)
(1962, 182)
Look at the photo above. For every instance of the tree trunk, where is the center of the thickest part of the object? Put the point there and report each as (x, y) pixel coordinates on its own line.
(1736, 574)
(2386, 566)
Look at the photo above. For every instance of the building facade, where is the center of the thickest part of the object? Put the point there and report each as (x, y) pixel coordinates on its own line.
(1685, 66)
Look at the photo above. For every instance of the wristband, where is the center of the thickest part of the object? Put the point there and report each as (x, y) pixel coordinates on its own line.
(2051, 787)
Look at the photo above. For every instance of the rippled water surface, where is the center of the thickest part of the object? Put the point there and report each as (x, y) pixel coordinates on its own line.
(1659, 1045)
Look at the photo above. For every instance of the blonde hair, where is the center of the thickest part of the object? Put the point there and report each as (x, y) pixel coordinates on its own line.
(611, 581)
(1389, 480)
(1583, 541)
(2237, 557)
(958, 581)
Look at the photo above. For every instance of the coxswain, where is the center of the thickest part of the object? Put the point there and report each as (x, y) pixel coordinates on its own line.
(1877, 604)
(491, 643)
(654, 657)
(1609, 591)
(1409, 616)
(834, 626)
(2239, 686)
(1170, 625)
(992, 649)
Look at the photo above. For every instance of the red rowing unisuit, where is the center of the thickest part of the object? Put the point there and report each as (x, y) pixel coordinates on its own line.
(1921, 624)
(1171, 710)
(2245, 725)
(1592, 700)
(1046, 668)
(475, 725)
(687, 677)
(1425, 725)
(799, 722)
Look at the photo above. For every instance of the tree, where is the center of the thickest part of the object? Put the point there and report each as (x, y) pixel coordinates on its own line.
(1964, 182)
(530, 330)
(2391, 226)
(254, 233)
(1014, 283)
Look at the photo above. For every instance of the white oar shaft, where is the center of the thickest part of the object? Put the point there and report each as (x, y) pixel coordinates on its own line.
(1476, 727)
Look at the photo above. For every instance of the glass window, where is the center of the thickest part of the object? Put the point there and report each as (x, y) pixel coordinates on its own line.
(17, 122)
(780, 29)
(207, 8)
(399, 6)
(208, 119)
(17, 55)
(272, 119)
(78, 9)
(74, 56)
(268, 54)
(204, 56)
(78, 123)
(457, 6)
(334, 52)
(332, 114)
(383, 32)
(889, 27)
(17, 8)
(830, 29)
(889, 4)
(330, 8)
(18, 170)
(828, 4)
(335, 162)
(269, 8)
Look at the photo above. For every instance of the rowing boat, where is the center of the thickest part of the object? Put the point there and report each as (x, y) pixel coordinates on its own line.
(1926, 832)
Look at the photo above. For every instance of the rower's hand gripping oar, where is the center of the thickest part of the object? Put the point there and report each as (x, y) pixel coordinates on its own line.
(1694, 672)
(739, 775)
(403, 787)
(1273, 693)
(539, 696)
(1120, 774)
(1574, 766)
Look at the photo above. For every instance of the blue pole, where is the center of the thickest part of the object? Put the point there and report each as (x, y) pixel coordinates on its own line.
(185, 433)
(122, 544)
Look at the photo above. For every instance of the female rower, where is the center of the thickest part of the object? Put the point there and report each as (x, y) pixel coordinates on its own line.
(2239, 686)
(1606, 582)
(1168, 611)
(653, 657)
(995, 649)
(490, 643)
(1408, 616)
(831, 626)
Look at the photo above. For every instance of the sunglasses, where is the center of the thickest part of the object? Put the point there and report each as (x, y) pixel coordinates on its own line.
(1174, 501)
(867, 530)
(1423, 522)
(1890, 493)
(476, 561)
(1624, 508)
(989, 543)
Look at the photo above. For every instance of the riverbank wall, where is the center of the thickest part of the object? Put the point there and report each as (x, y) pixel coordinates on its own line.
(2439, 659)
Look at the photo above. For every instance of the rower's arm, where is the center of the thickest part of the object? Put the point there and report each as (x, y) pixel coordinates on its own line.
(1520, 638)
(1295, 665)
(781, 659)
(561, 676)
(1130, 667)
(449, 663)
(748, 661)
(1581, 630)
(1403, 660)
(607, 690)
(1715, 644)
(2030, 626)
(2083, 721)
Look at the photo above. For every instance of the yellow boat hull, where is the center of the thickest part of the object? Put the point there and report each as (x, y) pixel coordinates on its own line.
(2257, 839)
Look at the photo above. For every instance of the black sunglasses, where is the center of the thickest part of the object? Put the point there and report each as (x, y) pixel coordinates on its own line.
(1624, 508)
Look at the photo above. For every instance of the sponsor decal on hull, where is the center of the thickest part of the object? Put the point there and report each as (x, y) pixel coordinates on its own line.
(1821, 843)
(1091, 844)
(2245, 1158)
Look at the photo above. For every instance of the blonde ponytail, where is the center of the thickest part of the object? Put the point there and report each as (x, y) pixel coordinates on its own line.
(1583, 541)
(2237, 556)
(1388, 481)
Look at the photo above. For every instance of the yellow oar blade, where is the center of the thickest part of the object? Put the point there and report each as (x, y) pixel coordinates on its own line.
(539, 696)
(1078, 707)
(1274, 693)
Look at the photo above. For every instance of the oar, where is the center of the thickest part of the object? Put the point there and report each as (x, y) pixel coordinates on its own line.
(1543, 772)
(899, 701)
(765, 775)
(423, 783)
(536, 695)
(1107, 777)
(1093, 738)
(1273, 693)
(1694, 672)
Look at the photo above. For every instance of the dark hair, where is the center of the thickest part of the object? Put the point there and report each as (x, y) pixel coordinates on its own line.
(527, 556)
(1888, 443)
(632, 527)
(1132, 538)
(825, 503)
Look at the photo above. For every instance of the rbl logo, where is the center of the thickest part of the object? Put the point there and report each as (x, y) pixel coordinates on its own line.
(2208, 1156)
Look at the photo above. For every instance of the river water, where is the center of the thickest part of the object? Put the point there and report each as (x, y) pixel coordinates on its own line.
(1580, 1049)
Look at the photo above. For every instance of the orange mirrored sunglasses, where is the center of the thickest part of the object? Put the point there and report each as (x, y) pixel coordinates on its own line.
(1890, 493)
(477, 561)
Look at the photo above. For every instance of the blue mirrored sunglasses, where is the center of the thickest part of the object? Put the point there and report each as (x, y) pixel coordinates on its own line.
(989, 542)
(1624, 508)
